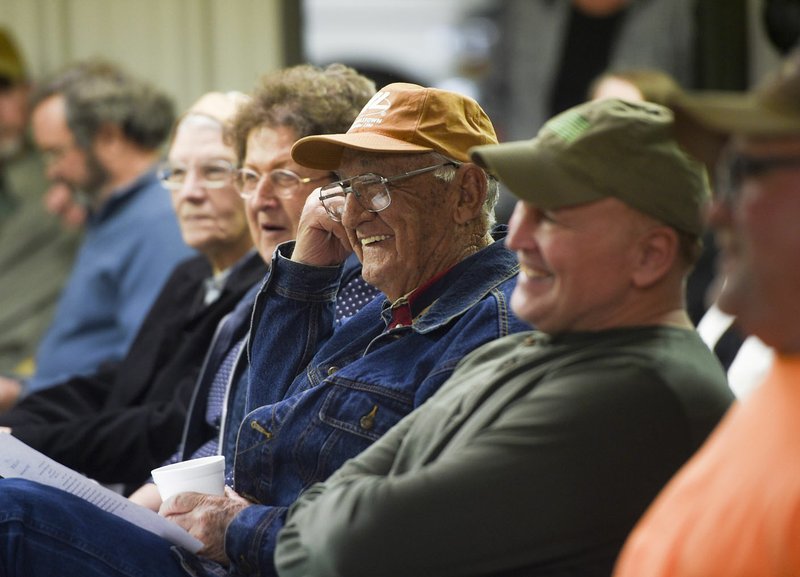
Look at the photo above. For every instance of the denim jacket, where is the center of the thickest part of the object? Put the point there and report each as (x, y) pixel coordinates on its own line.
(230, 331)
(317, 397)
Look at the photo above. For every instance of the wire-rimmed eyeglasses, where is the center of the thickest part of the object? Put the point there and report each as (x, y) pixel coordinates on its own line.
(734, 168)
(370, 190)
(284, 181)
(212, 174)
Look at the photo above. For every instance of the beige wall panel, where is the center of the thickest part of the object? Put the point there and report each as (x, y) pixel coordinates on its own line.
(246, 42)
(185, 46)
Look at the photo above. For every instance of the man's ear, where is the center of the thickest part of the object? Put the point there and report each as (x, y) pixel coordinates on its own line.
(659, 246)
(472, 190)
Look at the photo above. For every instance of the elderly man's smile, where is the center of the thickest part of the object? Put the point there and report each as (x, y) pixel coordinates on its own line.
(367, 240)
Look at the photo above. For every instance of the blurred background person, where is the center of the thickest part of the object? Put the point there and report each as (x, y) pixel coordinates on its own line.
(36, 252)
(100, 131)
(746, 357)
(734, 509)
(122, 420)
(547, 53)
(551, 50)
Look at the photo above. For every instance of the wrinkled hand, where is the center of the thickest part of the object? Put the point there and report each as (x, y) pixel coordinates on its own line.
(320, 240)
(10, 390)
(205, 517)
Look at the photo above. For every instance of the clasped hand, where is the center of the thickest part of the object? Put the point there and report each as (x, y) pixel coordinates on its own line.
(205, 517)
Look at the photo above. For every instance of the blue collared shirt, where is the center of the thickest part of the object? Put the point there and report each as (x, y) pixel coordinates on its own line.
(131, 245)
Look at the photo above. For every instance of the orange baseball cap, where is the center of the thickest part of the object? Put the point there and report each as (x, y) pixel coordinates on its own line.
(404, 118)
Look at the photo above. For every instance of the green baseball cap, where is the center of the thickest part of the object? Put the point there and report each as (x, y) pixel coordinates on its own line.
(600, 149)
(12, 67)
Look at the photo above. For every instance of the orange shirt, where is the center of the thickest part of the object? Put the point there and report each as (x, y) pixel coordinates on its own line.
(734, 509)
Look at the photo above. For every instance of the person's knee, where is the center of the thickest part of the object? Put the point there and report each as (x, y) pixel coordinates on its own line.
(21, 487)
(19, 498)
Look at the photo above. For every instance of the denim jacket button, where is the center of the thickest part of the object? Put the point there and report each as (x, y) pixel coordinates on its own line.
(332, 370)
(368, 420)
(256, 426)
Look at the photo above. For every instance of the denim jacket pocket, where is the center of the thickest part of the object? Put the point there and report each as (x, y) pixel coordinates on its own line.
(351, 416)
(364, 410)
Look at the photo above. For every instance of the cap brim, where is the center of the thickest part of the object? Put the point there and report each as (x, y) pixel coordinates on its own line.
(324, 152)
(503, 161)
(738, 113)
(531, 174)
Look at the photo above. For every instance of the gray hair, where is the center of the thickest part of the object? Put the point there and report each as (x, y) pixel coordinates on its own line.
(98, 93)
(447, 173)
(305, 98)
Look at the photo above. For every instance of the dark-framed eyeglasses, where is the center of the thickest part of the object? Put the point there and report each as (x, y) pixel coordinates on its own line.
(284, 181)
(734, 168)
(211, 175)
(370, 190)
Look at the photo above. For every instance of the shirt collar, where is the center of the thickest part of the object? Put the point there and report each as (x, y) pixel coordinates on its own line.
(215, 284)
(120, 196)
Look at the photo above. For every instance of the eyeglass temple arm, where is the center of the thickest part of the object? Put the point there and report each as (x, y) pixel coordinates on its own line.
(419, 171)
(335, 194)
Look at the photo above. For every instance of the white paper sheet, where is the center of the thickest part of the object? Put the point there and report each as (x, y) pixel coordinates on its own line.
(19, 460)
